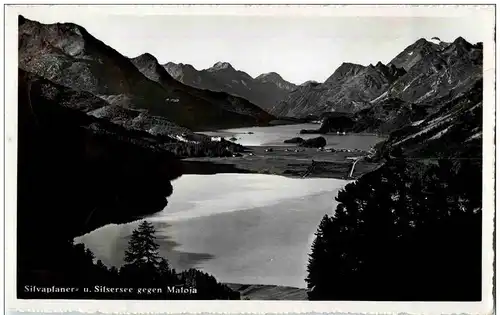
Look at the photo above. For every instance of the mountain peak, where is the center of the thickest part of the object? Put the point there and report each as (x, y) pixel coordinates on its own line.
(345, 70)
(415, 52)
(21, 19)
(462, 42)
(349, 65)
(221, 66)
(146, 57)
(269, 76)
(66, 29)
(436, 40)
(276, 79)
(310, 82)
(171, 64)
(421, 41)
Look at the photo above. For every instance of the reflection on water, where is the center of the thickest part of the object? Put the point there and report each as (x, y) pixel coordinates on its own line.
(110, 242)
(242, 228)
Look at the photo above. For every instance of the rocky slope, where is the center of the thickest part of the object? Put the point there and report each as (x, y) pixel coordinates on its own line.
(453, 128)
(68, 55)
(450, 70)
(349, 89)
(92, 105)
(435, 103)
(423, 72)
(414, 53)
(441, 78)
(265, 90)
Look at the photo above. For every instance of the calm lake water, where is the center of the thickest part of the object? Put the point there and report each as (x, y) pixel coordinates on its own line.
(275, 135)
(242, 228)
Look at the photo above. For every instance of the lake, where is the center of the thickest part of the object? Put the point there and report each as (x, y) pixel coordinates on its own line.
(275, 135)
(241, 228)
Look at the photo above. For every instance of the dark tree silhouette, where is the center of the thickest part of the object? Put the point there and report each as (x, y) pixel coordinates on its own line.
(407, 231)
(142, 248)
(143, 264)
(145, 268)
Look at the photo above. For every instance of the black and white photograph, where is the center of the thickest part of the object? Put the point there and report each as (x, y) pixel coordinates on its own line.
(254, 155)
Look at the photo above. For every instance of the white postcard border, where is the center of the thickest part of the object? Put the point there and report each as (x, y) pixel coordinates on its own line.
(486, 15)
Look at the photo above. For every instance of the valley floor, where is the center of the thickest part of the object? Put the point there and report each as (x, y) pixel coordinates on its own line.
(287, 161)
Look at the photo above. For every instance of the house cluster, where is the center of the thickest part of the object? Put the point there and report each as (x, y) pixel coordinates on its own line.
(172, 100)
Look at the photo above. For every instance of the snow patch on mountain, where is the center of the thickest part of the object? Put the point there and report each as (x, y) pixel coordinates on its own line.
(475, 136)
(435, 40)
(440, 134)
(381, 97)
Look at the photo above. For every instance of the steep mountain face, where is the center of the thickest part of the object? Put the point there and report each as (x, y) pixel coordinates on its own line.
(441, 77)
(450, 128)
(349, 89)
(92, 105)
(68, 55)
(450, 70)
(265, 90)
(276, 79)
(414, 53)
(385, 98)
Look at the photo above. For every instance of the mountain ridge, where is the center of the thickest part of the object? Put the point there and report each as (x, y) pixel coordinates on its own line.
(348, 89)
(422, 71)
(264, 90)
(67, 54)
(151, 68)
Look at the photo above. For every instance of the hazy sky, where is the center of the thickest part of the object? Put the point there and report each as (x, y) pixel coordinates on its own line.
(300, 48)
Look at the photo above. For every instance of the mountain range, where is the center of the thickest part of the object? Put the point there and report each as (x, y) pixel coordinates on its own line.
(68, 55)
(265, 90)
(348, 89)
(428, 78)
(422, 72)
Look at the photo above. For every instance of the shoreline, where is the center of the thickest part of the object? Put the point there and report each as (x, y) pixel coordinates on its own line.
(288, 161)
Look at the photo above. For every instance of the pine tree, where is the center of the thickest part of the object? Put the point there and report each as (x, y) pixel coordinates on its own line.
(143, 262)
(142, 249)
(99, 264)
(316, 268)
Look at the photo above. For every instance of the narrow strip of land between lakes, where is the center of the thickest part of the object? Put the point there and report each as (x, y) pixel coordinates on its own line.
(287, 161)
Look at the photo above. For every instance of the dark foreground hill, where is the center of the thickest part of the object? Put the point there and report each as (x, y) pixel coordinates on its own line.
(82, 170)
(76, 173)
(68, 55)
